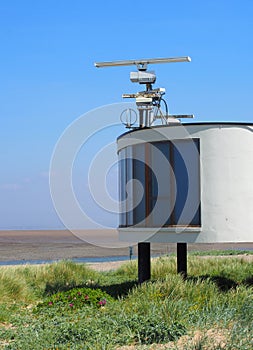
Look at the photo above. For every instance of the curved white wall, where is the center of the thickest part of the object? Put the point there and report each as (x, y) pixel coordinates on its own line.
(226, 175)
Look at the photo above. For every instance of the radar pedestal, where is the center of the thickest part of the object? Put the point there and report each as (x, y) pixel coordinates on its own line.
(149, 101)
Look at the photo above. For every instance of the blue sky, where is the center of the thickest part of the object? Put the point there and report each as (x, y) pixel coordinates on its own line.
(48, 80)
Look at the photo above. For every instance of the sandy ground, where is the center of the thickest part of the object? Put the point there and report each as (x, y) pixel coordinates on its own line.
(62, 244)
(52, 245)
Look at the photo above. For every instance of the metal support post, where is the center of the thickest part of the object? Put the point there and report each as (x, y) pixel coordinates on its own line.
(182, 259)
(144, 263)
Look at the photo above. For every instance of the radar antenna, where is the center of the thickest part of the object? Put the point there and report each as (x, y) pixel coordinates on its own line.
(148, 101)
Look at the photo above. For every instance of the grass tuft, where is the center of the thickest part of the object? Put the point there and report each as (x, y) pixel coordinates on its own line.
(29, 282)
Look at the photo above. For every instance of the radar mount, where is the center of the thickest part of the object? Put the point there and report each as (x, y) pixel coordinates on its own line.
(149, 101)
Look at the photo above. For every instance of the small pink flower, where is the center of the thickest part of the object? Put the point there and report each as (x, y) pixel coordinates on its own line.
(71, 305)
(50, 303)
(102, 302)
(86, 297)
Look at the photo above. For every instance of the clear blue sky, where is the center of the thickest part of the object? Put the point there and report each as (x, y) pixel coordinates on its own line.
(47, 78)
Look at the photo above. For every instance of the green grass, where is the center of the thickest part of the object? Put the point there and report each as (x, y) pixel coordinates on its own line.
(69, 306)
(221, 252)
(30, 282)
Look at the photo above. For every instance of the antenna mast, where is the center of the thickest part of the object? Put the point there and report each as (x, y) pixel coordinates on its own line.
(149, 101)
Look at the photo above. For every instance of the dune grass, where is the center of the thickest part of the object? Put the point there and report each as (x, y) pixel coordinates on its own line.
(29, 282)
(225, 252)
(47, 307)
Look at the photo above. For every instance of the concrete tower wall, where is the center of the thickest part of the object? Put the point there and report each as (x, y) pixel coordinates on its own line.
(225, 180)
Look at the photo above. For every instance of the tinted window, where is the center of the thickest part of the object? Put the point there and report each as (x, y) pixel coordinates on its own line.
(169, 174)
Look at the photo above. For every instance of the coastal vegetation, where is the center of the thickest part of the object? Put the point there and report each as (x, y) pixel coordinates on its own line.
(66, 305)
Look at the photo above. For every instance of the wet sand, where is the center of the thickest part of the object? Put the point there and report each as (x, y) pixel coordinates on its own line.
(51, 245)
(62, 244)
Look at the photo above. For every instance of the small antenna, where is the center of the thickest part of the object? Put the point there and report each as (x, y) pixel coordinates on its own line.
(149, 101)
(128, 117)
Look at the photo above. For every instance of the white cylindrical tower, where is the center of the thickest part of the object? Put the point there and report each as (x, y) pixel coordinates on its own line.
(187, 183)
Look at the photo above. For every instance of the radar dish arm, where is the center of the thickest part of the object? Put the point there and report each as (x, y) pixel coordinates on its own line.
(141, 62)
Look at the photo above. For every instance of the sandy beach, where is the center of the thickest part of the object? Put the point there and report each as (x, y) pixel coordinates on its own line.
(50, 245)
(62, 244)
